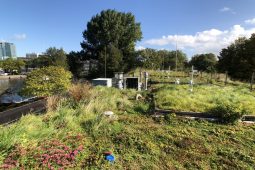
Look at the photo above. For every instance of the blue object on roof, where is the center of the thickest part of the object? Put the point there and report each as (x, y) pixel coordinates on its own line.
(110, 158)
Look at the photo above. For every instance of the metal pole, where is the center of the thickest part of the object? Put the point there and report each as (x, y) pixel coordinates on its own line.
(176, 58)
(192, 74)
(191, 82)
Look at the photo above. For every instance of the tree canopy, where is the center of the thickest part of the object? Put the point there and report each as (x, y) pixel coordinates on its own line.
(112, 32)
(51, 57)
(162, 59)
(238, 59)
(74, 60)
(47, 81)
(204, 62)
(12, 65)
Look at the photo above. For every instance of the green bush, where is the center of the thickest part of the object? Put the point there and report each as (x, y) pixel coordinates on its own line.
(228, 112)
(47, 81)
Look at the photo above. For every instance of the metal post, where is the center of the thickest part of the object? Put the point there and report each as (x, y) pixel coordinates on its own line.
(176, 58)
(146, 76)
(191, 82)
(192, 74)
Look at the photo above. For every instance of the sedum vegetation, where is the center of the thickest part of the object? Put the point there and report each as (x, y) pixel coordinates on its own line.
(74, 133)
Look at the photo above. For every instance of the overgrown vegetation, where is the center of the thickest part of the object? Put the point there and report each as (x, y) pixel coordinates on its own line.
(238, 58)
(75, 133)
(203, 98)
(47, 81)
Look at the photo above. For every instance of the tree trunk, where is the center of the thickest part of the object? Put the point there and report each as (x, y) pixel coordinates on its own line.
(226, 78)
(252, 79)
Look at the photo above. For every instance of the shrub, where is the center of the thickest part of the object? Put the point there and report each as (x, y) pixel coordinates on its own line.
(80, 91)
(47, 81)
(228, 112)
(169, 118)
(53, 102)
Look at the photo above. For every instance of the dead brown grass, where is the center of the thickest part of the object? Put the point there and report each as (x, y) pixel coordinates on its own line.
(80, 91)
(53, 102)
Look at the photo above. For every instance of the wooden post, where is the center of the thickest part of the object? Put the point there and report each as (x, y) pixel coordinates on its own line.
(252, 79)
(226, 78)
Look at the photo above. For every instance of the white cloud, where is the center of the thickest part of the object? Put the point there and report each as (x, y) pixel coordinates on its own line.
(250, 21)
(139, 48)
(20, 36)
(212, 40)
(225, 9)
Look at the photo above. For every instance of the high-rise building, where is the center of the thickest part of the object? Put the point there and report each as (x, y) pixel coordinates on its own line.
(31, 55)
(7, 50)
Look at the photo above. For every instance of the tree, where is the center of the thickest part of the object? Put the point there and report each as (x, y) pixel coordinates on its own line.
(170, 60)
(204, 62)
(112, 60)
(12, 65)
(47, 81)
(57, 56)
(238, 59)
(151, 59)
(74, 60)
(162, 59)
(41, 61)
(52, 57)
(1, 64)
(112, 30)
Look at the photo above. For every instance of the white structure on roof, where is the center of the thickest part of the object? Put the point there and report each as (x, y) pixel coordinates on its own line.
(102, 82)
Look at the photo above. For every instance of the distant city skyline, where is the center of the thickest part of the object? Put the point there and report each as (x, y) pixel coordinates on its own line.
(7, 50)
(198, 26)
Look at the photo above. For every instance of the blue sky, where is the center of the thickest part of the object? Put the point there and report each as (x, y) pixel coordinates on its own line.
(197, 25)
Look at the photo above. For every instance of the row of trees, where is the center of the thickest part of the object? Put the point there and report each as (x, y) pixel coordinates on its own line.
(51, 57)
(238, 59)
(161, 59)
(12, 66)
(204, 62)
(110, 38)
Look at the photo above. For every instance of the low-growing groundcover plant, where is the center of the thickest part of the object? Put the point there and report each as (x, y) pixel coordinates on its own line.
(48, 154)
(75, 134)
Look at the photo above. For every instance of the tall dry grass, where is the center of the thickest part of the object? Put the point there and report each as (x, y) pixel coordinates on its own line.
(53, 102)
(80, 91)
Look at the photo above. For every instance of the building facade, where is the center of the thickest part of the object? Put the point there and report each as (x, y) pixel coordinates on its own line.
(7, 50)
(31, 55)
